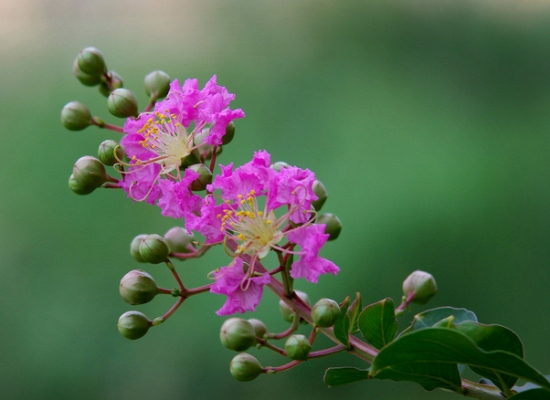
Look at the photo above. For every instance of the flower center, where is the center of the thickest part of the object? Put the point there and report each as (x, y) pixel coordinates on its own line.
(168, 139)
(256, 231)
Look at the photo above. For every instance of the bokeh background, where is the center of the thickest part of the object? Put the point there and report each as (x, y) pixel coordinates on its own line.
(428, 122)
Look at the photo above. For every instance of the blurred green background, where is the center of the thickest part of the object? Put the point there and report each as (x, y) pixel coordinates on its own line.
(428, 122)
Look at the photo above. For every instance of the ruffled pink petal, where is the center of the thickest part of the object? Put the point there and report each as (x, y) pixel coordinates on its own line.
(310, 266)
(229, 282)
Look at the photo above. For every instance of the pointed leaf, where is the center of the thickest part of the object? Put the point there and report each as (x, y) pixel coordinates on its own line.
(424, 353)
(353, 311)
(343, 375)
(378, 324)
(489, 338)
(342, 326)
(341, 330)
(533, 394)
(431, 317)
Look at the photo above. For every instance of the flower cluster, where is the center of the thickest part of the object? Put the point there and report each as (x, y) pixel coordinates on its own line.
(251, 210)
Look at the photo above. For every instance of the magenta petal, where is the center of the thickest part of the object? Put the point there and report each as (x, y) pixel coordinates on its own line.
(311, 238)
(229, 282)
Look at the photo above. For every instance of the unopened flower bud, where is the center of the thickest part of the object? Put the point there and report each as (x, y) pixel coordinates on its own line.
(205, 177)
(333, 226)
(85, 79)
(287, 312)
(133, 325)
(116, 83)
(325, 313)
(138, 287)
(297, 347)
(78, 188)
(134, 247)
(75, 116)
(237, 334)
(157, 83)
(322, 194)
(91, 62)
(245, 367)
(179, 241)
(89, 173)
(229, 133)
(204, 149)
(422, 285)
(123, 103)
(153, 249)
(279, 165)
(110, 152)
(259, 327)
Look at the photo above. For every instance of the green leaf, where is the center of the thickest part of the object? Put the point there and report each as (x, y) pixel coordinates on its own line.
(430, 375)
(489, 338)
(533, 394)
(430, 356)
(492, 337)
(344, 375)
(342, 326)
(432, 317)
(378, 324)
(353, 312)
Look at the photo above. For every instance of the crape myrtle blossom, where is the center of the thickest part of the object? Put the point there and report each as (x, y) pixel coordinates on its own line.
(158, 142)
(286, 196)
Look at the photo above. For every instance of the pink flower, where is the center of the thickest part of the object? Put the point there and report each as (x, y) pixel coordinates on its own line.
(286, 196)
(158, 142)
(243, 292)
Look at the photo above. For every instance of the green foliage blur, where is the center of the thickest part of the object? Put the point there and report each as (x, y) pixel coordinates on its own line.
(428, 122)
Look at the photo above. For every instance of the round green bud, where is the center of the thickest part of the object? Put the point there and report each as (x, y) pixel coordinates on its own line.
(134, 247)
(237, 334)
(89, 173)
(287, 312)
(157, 83)
(259, 327)
(205, 150)
(110, 152)
(91, 62)
(325, 313)
(297, 347)
(75, 116)
(333, 226)
(245, 367)
(116, 80)
(138, 287)
(422, 285)
(133, 325)
(229, 133)
(85, 79)
(198, 139)
(322, 194)
(116, 83)
(179, 241)
(153, 249)
(190, 159)
(279, 165)
(205, 177)
(78, 188)
(123, 103)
